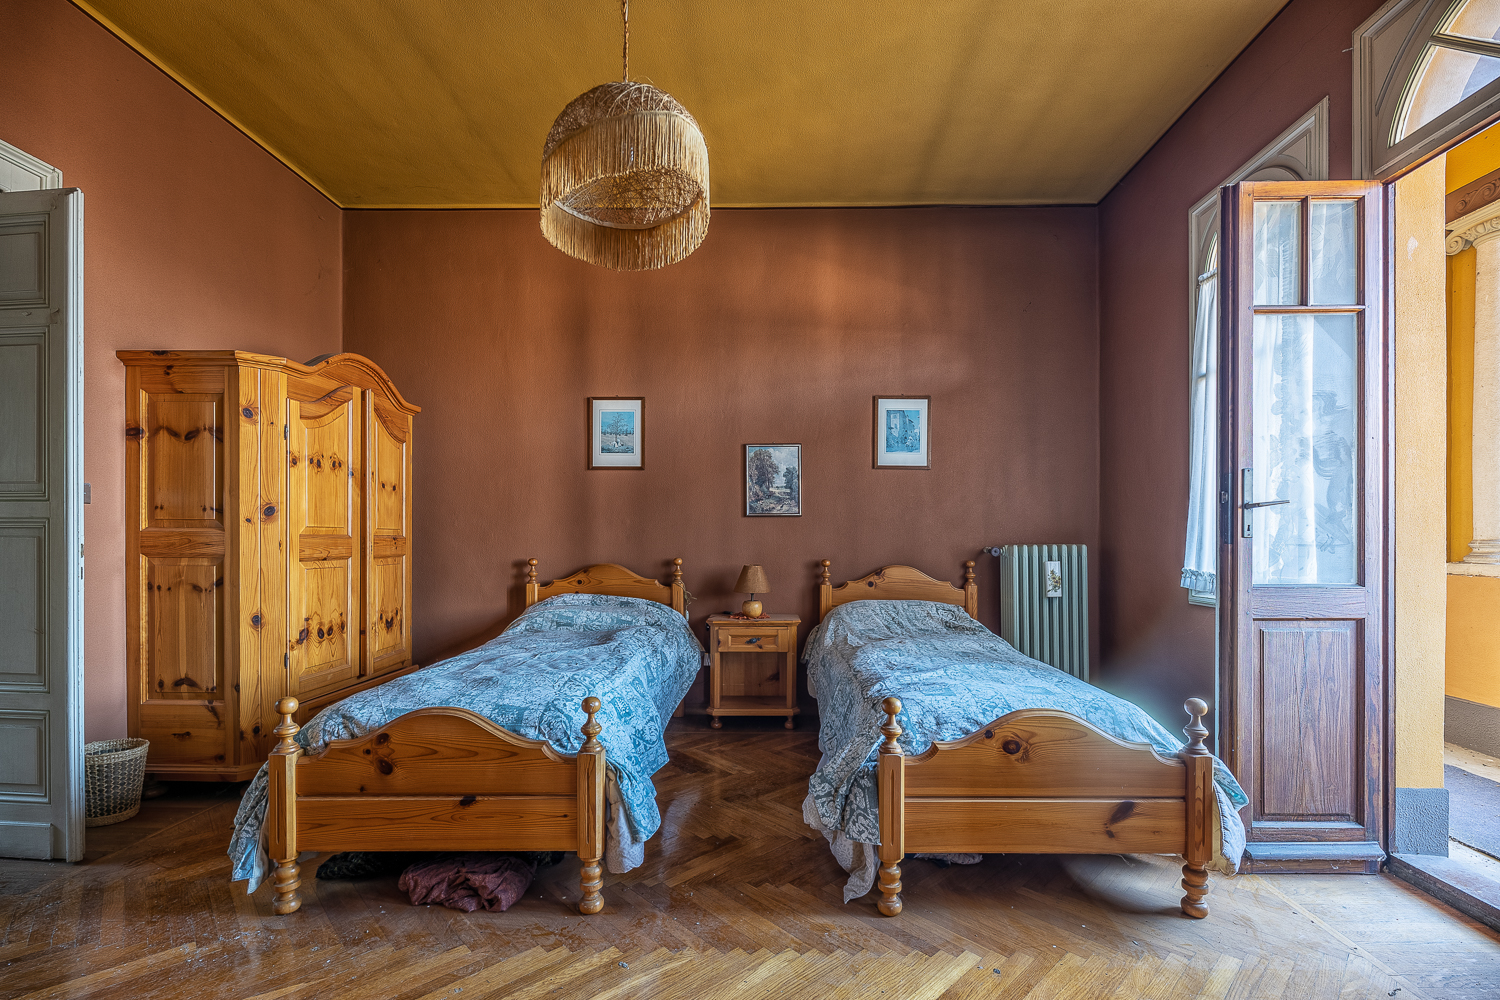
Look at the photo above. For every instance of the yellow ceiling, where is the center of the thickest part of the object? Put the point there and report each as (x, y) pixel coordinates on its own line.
(445, 103)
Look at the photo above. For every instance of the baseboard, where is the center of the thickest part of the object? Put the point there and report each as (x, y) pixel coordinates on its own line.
(1356, 857)
(1451, 882)
(1471, 725)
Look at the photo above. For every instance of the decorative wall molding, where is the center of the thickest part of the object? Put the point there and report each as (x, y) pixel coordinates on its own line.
(1473, 228)
(20, 171)
(1473, 196)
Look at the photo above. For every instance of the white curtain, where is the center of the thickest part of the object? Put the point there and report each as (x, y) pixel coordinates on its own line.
(1200, 560)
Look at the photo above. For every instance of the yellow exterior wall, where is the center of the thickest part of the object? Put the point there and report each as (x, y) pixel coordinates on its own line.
(1460, 403)
(1472, 660)
(1473, 653)
(1473, 158)
(1421, 399)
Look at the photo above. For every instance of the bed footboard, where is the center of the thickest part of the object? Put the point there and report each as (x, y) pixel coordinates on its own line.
(1041, 781)
(443, 778)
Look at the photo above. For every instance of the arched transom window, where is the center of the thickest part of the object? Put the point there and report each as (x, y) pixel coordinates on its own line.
(1426, 72)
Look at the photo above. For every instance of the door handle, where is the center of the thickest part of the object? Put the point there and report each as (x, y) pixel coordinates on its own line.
(1246, 506)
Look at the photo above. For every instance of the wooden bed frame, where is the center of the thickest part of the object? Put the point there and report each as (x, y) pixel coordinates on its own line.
(448, 779)
(1035, 781)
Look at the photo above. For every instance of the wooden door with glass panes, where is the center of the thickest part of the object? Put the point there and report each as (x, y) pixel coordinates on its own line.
(1302, 525)
(324, 509)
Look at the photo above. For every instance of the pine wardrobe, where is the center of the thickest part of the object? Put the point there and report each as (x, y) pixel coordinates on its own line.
(268, 526)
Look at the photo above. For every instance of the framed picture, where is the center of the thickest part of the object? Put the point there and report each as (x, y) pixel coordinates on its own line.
(616, 428)
(773, 480)
(902, 437)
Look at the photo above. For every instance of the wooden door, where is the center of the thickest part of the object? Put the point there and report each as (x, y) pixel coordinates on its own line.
(41, 524)
(387, 633)
(1302, 531)
(324, 508)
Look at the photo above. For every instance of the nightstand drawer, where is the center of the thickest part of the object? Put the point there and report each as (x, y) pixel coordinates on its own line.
(751, 639)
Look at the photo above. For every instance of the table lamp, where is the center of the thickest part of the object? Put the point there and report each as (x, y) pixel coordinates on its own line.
(752, 581)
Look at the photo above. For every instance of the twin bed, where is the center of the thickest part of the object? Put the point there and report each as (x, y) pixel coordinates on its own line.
(938, 738)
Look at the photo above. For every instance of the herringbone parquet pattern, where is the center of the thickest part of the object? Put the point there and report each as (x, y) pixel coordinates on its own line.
(737, 899)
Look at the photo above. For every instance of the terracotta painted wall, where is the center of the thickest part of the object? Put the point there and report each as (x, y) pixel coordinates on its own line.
(779, 329)
(1159, 648)
(194, 238)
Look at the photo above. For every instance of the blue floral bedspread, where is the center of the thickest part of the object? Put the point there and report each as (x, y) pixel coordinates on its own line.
(637, 657)
(953, 676)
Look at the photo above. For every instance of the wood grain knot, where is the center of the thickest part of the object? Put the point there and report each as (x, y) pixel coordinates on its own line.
(384, 766)
(1011, 747)
(467, 801)
(255, 620)
(268, 511)
(382, 739)
(1121, 813)
(134, 432)
(989, 734)
(182, 736)
(248, 412)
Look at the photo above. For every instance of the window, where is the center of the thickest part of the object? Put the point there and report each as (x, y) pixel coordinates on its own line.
(1200, 560)
(1298, 154)
(1426, 73)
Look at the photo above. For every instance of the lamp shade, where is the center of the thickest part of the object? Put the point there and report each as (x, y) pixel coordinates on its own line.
(752, 581)
(625, 179)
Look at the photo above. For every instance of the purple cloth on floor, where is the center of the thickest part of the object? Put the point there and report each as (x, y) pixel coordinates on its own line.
(468, 882)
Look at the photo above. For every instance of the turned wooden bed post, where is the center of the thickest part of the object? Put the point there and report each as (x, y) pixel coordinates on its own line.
(971, 591)
(1200, 799)
(679, 592)
(532, 587)
(891, 779)
(281, 811)
(591, 811)
(825, 591)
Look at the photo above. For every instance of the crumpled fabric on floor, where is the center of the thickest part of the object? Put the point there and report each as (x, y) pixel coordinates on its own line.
(468, 882)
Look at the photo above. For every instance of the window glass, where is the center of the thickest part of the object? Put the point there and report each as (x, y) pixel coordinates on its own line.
(1443, 78)
(1475, 19)
(1305, 446)
(1278, 252)
(1332, 253)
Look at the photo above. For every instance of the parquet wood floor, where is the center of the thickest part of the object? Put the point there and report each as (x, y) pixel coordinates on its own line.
(737, 899)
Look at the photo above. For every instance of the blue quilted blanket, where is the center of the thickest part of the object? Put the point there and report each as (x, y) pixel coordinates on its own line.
(953, 676)
(637, 657)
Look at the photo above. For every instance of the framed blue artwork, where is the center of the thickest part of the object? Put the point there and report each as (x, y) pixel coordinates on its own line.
(903, 439)
(616, 432)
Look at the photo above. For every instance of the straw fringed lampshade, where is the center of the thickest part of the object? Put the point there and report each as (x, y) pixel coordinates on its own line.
(625, 179)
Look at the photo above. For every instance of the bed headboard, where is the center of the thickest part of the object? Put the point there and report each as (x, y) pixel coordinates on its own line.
(608, 578)
(898, 583)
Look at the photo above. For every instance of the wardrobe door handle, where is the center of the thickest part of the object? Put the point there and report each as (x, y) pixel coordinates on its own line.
(1263, 503)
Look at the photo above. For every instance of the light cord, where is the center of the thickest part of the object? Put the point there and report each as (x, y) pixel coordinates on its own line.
(625, 54)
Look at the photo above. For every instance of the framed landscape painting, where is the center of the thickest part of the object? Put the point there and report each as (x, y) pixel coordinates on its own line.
(902, 437)
(616, 429)
(773, 480)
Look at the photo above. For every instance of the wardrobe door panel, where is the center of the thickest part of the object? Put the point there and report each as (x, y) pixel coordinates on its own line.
(387, 636)
(324, 499)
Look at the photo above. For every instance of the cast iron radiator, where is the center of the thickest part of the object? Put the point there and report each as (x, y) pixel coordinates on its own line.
(1044, 603)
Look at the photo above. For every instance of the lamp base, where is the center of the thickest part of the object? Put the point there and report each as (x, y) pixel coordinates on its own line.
(751, 609)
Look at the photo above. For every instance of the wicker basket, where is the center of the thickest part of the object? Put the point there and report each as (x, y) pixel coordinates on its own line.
(114, 771)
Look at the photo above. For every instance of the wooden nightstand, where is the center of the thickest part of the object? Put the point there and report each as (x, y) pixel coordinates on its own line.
(742, 678)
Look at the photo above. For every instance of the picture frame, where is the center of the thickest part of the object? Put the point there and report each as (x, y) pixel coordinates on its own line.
(617, 432)
(902, 434)
(773, 480)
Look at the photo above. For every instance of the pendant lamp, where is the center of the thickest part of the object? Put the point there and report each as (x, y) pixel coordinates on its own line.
(625, 176)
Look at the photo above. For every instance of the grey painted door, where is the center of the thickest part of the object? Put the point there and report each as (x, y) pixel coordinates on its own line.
(41, 524)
